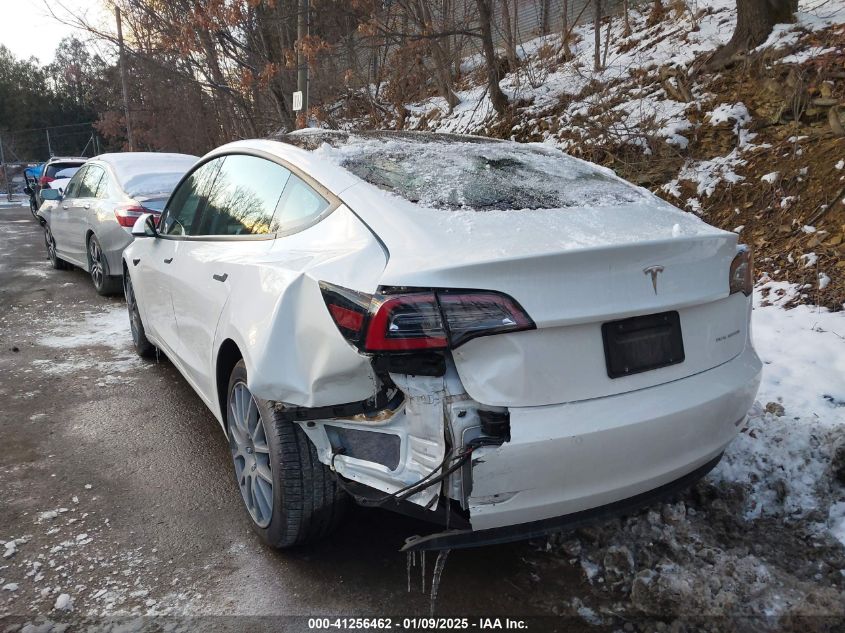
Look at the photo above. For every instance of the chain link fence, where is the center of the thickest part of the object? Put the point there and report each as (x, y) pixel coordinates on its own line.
(20, 149)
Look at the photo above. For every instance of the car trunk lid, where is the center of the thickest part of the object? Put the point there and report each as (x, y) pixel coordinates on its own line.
(572, 270)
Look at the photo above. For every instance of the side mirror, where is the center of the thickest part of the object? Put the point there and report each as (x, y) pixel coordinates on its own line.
(51, 194)
(145, 226)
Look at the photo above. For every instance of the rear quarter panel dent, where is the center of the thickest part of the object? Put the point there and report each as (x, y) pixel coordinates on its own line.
(292, 348)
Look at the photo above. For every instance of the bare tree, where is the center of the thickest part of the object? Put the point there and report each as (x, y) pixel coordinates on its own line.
(565, 31)
(627, 30)
(510, 36)
(485, 18)
(597, 36)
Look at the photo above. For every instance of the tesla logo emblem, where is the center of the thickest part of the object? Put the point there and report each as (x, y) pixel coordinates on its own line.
(653, 271)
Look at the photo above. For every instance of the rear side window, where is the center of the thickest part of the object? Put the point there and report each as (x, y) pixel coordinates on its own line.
(244, 197)
(299, 206)
(91, 182)
(73, 185)
(185, 206)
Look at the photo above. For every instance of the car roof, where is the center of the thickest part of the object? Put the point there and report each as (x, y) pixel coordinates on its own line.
(311, 138)
(122, 160)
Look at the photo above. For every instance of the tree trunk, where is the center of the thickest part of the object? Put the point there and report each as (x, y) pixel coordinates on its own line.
(546, 8)
(564, 31)
(627, 31)
(442, 66)
(597, 36)
(510, 40)
(755, 20)
(497, 97)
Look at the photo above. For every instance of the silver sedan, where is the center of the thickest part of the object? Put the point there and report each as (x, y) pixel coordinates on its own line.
(89, 223)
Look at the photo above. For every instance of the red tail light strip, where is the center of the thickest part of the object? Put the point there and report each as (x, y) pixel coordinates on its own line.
(422, 319)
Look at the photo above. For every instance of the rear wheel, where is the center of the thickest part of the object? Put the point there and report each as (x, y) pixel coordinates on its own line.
(290, 496)
(49, 241)
(98, 267)
(143, 347)
(33, 207)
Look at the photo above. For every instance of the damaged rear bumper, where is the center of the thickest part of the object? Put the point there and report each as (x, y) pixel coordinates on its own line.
(553, 467)
(463, 539)
(563, 459)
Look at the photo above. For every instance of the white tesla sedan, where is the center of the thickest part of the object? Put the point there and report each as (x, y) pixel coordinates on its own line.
(493, 336)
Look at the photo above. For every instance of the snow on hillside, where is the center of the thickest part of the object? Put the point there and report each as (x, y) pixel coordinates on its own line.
(704, 139)
(628, 58)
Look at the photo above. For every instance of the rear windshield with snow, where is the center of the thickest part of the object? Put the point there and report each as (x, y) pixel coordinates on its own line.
(147, 174)
(451, 172)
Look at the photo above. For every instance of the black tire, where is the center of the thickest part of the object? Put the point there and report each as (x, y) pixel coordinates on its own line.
(308, 504)
(98, 268)
(143, 347)
(33, 208)
(50, 243)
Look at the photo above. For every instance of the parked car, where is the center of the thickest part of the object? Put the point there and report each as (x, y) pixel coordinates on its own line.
(493, 336)
(51, 168)
(91, 223)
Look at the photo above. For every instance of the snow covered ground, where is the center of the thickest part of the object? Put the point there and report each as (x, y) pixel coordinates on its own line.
(792, 439)
(763, 535)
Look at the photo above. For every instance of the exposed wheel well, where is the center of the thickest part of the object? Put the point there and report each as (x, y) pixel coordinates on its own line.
(227, 358)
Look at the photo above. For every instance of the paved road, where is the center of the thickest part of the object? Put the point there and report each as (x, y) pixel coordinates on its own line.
(116, 487)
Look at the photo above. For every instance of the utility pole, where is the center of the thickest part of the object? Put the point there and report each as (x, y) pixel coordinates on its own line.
(5, 171)
(49, 147)
(123, 80)
(301, 61)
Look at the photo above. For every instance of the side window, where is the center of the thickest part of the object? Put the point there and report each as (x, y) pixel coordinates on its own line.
(244, 196)
(103, 188)
(73, 185)
(90, 182)
(182, 214)
(299, 206)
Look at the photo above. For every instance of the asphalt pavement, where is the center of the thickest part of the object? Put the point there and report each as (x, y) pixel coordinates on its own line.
(117, 496)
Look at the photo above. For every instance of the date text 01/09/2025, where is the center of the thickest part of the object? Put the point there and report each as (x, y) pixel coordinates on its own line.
(415, 624)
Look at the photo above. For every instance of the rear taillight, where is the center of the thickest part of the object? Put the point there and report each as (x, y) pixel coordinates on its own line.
(741, 276)
(405, 322)
(421, 320)
(127, 214)
(44, 180)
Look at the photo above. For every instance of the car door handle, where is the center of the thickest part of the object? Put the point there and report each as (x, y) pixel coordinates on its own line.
(222, 277)
(168, 260)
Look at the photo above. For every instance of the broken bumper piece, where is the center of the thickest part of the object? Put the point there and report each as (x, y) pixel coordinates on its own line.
(463, 539)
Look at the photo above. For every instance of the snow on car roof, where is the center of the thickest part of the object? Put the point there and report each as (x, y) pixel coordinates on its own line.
(454, 172)
(148, 173)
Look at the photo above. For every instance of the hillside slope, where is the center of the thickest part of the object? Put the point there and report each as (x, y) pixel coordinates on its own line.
(753, 148)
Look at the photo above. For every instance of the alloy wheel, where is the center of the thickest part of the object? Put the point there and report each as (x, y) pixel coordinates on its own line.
(96, 257)
(50, 243)
(251, 454)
